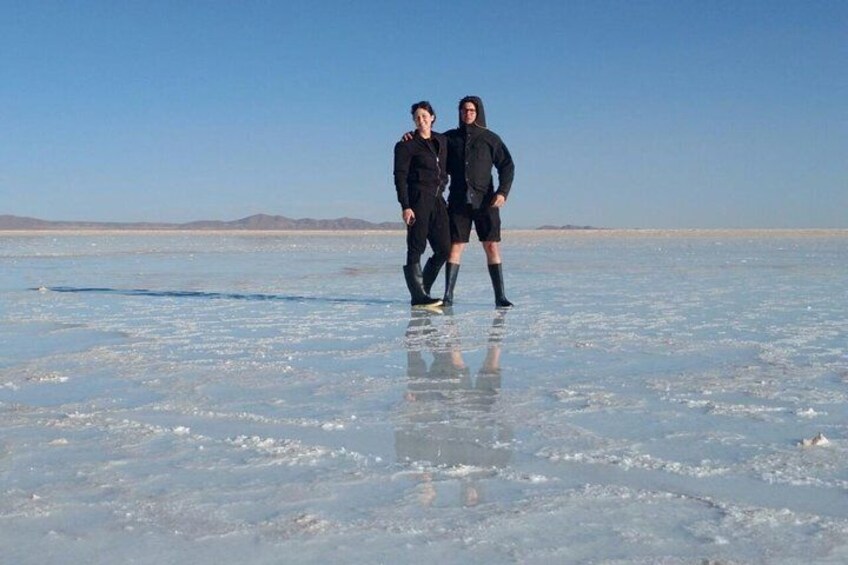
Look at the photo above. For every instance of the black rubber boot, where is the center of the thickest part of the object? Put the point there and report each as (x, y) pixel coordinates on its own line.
(496, 273)
(415, 284)
(451, 271)
(431, 271)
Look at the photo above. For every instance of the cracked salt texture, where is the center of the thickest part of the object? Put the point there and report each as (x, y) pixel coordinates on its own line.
(670, 397)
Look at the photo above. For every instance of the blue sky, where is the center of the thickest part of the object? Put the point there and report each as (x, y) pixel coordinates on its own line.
(619, 114)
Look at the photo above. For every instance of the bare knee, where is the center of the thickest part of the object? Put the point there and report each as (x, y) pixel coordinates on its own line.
(493, 252)
(456, 252)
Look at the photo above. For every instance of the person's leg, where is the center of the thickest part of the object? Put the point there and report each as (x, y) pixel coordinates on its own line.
(456, 250)
(460, 230)
(496, 274)
(493, 252)
(451, 272)
(415, 283)
(416, 244)
(460, 217)
(439, 238)
(416, 237)
(488, 224)
(431, 270)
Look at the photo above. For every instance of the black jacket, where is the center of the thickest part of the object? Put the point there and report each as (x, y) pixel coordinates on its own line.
(420, 168)
(472, 152)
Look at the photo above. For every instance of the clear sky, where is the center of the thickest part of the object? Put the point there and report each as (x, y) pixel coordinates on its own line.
(618, 114)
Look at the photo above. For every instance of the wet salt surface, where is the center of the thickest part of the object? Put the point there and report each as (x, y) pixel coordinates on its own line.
(271, 398)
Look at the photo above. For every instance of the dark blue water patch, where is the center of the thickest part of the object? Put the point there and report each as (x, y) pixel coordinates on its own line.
(259, 297)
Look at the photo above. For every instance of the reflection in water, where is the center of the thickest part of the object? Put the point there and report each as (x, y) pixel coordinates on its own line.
(450, 417)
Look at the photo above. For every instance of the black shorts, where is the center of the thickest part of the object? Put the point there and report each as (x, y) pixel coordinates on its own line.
(487, 222)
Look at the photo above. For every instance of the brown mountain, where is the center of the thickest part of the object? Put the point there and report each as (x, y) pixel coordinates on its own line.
(255, 222)
(566, 227)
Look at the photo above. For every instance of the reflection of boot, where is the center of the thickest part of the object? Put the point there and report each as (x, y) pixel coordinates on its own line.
(419, 325)
(416, 367)
(496, 273)
(431, 271)
(489, 377)
(498, 329)
(451, 271)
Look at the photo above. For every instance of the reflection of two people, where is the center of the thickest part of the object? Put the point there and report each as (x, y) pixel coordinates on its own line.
(449, 419)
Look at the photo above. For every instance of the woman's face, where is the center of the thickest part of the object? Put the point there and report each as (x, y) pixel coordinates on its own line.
(423, 120)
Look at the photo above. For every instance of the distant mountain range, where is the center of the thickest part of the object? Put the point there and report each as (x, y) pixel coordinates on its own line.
(255, 222)
(567, 227)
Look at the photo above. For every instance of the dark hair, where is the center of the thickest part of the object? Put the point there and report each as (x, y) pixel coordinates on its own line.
(423, 105)
(473, 99)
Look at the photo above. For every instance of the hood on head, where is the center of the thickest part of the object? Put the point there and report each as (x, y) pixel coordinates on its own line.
(481, 113)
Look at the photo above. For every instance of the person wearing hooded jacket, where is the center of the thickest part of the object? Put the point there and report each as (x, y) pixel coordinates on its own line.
(420, 177)
(473, 151)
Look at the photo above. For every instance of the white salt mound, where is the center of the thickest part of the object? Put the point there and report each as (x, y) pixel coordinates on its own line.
(819, 439)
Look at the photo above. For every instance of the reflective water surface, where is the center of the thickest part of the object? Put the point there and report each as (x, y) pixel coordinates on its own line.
(272, 398)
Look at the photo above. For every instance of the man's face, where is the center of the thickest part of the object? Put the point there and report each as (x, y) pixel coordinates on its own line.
(468, 113)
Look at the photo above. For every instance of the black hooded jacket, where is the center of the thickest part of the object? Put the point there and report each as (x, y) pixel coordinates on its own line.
(472, 152)
(420, 168)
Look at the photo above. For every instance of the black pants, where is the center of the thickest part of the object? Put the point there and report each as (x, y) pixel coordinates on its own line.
(431, 224)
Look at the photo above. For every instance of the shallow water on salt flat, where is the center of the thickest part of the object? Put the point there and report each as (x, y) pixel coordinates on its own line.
(272, 397)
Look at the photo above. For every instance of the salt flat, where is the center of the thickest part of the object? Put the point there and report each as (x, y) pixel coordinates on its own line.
(271, 397)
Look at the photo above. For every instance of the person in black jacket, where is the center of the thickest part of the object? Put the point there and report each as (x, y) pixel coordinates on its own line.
(473, 150)
(420, 175)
